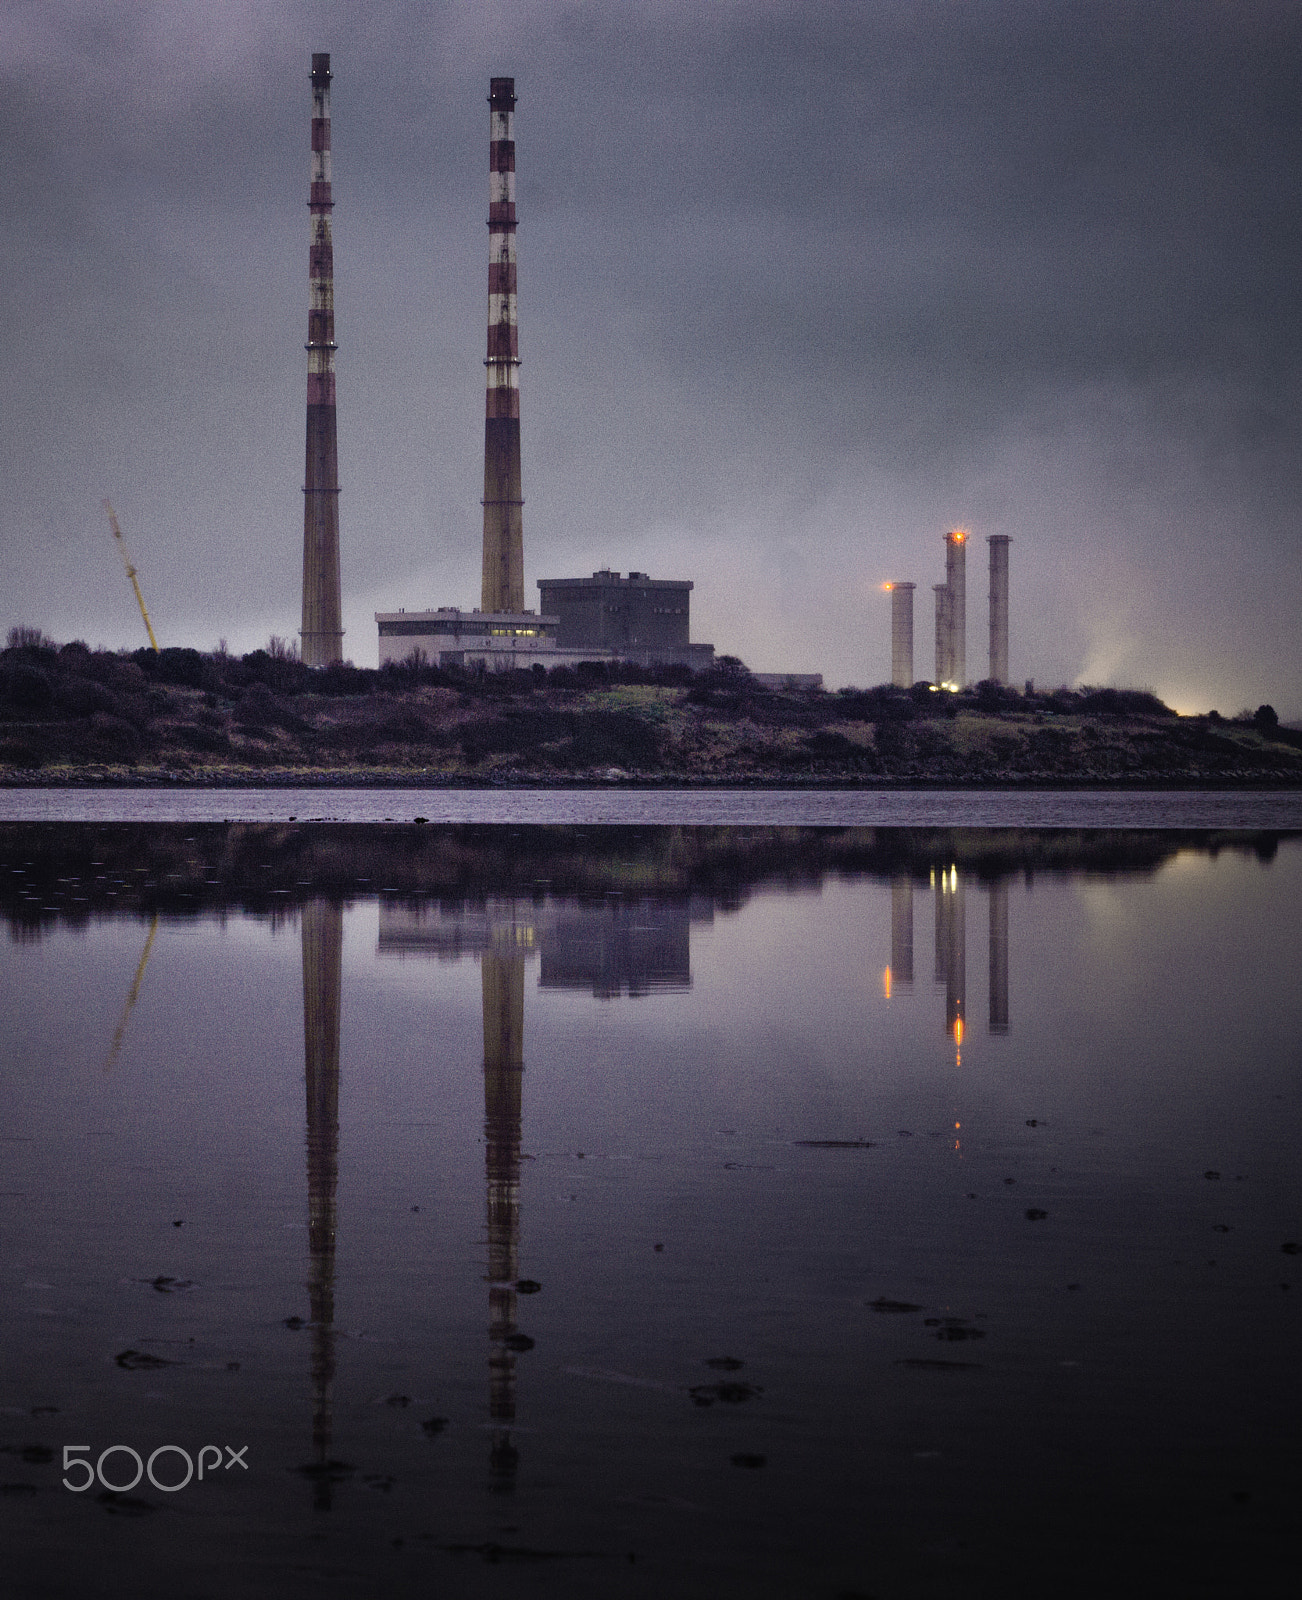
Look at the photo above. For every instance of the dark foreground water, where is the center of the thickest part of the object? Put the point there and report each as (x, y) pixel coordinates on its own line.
(648, 1212)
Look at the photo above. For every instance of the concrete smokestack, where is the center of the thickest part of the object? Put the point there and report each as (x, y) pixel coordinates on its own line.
(999, 543)
(956, 603)
(901, 634)
(503, 586)
(944, 666)
(323, 629)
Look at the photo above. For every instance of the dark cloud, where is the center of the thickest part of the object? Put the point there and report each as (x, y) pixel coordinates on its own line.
(801, 285)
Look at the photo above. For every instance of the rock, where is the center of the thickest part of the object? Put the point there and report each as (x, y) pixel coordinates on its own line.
(140, 1361)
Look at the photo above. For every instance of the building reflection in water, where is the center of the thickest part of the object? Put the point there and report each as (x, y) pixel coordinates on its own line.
(635, 948)
(610, 947)
(322, 929)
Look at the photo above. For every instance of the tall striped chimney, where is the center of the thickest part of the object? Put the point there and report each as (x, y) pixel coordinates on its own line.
(503, 587)
(323, 629)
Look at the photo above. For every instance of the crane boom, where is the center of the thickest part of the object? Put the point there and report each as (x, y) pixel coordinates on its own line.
(131, 573)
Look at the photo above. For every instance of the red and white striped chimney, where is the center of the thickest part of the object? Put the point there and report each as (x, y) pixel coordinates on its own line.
(503, 585)
(323, 631)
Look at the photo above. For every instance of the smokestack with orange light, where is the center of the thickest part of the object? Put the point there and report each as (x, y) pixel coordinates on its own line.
(503, 578)
(901, 633)
(323, 629)
(956, 605)
(999, 543)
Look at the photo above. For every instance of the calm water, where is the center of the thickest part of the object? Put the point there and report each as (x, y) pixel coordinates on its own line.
(840, 808)
(649, 1211)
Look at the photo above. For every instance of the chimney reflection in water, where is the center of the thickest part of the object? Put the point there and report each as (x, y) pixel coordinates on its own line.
(951, 950)
(502, 972)
(901, 968)
(951, 947)
(322, 926)
(998, 895)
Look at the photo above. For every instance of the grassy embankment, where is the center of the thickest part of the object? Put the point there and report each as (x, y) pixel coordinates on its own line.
(73, 715)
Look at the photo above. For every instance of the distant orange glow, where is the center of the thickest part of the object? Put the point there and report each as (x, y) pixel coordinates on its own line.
(886, 982)
(958, 1031)
(958, 535)
(887, 587)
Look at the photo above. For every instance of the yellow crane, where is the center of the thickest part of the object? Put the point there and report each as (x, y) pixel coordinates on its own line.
(131, 573)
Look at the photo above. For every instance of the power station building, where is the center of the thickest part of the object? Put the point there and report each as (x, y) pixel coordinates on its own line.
(638, 618)
(450, 637)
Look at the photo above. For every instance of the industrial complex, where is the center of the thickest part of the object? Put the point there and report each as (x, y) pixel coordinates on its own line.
(607, 617)
(951, 617)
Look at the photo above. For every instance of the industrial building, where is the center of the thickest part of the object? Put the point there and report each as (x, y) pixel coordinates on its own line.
(450, 637)
(638, 618)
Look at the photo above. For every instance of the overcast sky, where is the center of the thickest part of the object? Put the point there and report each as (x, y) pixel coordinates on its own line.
(802, 285)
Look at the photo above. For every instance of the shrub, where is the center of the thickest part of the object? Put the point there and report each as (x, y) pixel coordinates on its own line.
(80, 697)
(343, 678)
(26, 687)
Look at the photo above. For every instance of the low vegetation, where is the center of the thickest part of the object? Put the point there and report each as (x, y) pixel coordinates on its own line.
(72, 714)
